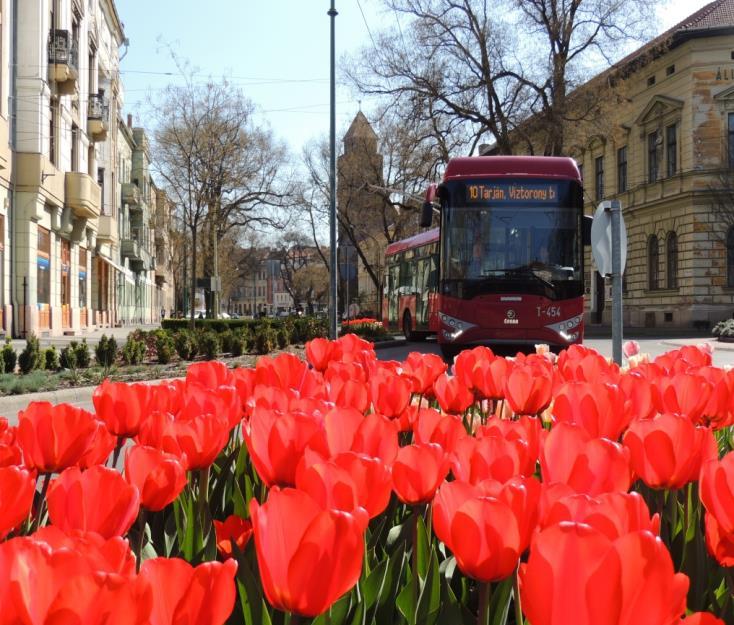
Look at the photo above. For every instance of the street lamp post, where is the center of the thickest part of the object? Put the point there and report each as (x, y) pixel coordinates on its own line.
(333, 268)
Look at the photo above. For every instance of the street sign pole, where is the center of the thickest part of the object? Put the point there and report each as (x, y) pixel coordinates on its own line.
(616, 210)
(333, 269)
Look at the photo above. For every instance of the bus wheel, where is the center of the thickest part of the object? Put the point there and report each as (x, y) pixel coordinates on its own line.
(408, 327)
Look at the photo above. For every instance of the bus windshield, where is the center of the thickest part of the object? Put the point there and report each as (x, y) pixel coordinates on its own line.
(512, 235)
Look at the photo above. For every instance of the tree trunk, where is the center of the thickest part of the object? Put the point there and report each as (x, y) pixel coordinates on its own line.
(192, 324)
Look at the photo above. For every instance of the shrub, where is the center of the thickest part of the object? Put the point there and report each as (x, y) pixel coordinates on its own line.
(31, 357)
(185, 344)
(308, 328)
(134, 351)
(68, 357)
(83, 357)
(239, 343)
(265, 340)
(10, 357)
(105, 351)
(208, 344)
(226, 339)
(724, 328)
(283, 337)
(51, 359)
(164, 347)
(369, 329)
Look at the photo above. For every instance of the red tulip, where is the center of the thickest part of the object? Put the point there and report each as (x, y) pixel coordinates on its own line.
(377, 437)
(158, 476)
(701, 618)
(122, 407)
(522, 495)
(349, 393)
(720, 544)
(492, 457)
(319, 352)
(187, 595)
(233, 530)
(613, 514)
(716, 488)
(467, 361)
(210, 374)
(340, 426)
(105, 555)
(452, 395)
(308, 557)
(667, 451)
(528, 387)
(102, 445)
(198, 401)
(159, 431)
(97, 500)
(10, 453)
(488, 377)
(423, 369)
(433, 427)
(584, 364)
(418, 471)
(683, 393)
(17, 488)
(599, 408)
(389, 394)
(588, 465)
(576, 574)
(527, 429)
(53, 438)
(372, 479)
(638, 391)
(285, 371)
(686, 358)
(201, 438)
(276, 442)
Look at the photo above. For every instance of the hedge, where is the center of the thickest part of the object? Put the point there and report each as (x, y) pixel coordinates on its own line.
(218, 325)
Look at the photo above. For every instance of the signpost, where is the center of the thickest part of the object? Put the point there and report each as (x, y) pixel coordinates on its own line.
(609, 247)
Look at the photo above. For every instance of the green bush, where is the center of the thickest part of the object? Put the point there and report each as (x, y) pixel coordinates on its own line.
(308, 328)
(266, 340)
(52, 362)
(208, 344)
(31, 357)
(105, 352)
(239, 343)
(83, 357)
(134, 350)
(68, 357)
(10, 357)
(164, 347)
(724, 328)
(283, 337)
(226, 338)
(185, 344)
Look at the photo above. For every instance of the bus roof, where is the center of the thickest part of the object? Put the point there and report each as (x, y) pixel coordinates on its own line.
(512, 166)
(422, 238)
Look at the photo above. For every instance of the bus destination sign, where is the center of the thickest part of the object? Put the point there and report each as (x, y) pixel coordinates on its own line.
(512, 192)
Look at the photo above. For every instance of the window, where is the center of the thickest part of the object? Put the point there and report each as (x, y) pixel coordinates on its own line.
(670, 70)
(653, 140)
(82, 278)
(671, 148)
(581, 171)
(671, 261)
(730, 257)
(650, 81)
(100, 182)
(43, 269)
(74, 147)
(653, 261)
(599, 177)
(622, 169)
(52, 134)
(730, 142)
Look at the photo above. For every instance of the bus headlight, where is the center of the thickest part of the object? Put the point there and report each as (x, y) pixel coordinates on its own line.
(455, 327)
(567, 328)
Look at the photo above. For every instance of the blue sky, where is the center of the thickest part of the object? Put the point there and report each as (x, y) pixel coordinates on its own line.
(276, 51)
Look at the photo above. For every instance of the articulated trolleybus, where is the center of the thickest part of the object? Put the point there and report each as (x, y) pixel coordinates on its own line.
(505, 265)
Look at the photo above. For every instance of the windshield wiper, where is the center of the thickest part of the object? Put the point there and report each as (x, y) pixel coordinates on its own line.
(523, 270)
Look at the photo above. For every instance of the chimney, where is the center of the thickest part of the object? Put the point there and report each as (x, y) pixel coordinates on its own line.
(129, 120)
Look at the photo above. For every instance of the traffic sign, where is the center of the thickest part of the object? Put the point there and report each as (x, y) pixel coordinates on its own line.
(601, 238)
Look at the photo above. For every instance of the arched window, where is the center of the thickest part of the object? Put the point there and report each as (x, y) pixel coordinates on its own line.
(730, 257)
(653, 262)
(671, 264)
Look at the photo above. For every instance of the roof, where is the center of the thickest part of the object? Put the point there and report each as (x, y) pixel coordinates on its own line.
(360, 128)
(527, 166)
(422, 238)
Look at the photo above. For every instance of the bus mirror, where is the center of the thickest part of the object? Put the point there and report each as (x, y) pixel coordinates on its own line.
(586, 229)
(426, 215)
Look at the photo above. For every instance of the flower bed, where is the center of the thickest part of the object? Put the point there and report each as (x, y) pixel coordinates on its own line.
(342, 489)
(367, 328)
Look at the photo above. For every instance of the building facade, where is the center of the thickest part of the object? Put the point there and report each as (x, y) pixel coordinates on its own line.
(68, 264)
(664, 147)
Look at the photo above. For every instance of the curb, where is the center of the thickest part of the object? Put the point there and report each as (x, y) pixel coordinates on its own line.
(395, 342)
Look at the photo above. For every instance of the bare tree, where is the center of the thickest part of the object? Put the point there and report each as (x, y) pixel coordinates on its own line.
(462, 65)
(222, 172)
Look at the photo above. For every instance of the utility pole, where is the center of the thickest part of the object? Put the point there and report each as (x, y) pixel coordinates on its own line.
(333, 268)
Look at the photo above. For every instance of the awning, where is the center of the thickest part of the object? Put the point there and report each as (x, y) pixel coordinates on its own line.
(125, 272)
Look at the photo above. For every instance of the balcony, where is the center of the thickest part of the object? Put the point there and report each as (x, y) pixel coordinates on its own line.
(107, 229)
(98, 114)
(140, 258)
(83, 195)
(131, 195)
(63, 60)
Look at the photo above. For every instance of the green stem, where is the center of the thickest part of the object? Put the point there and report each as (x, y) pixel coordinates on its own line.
(685, 509)
(118, 449)
(516, 590)
(42, 503)
(485, 594)
(416, 581)
(203, 491)
(140, 540)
